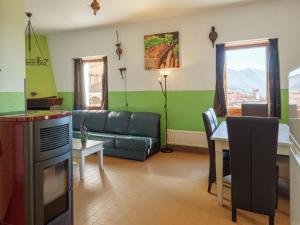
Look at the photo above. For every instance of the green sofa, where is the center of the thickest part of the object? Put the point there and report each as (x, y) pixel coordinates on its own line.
(125, 134)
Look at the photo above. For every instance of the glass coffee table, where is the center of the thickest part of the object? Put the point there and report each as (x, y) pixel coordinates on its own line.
(81, 152)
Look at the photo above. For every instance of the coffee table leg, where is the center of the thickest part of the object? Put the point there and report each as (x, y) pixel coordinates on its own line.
(100, 159)
(82, 167)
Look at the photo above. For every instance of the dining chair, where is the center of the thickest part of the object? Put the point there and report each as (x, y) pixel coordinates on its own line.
(211, 124)
(251, 109)
(254, 175)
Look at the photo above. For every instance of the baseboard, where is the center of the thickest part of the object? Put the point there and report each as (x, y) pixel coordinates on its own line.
(189, 149)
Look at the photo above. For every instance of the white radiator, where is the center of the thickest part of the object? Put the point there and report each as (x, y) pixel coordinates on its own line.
(187, 138)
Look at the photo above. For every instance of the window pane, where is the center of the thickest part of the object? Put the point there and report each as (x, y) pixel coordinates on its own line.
(246, 76)
(294, 96)
(93, 83)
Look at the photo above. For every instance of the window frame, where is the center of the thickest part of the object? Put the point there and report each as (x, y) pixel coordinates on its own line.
(92, 60)
(237, 111)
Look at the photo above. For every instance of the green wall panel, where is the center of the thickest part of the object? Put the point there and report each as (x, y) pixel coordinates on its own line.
(284, 105)
(11, 101)
(39, 79)
(68, 101)
(137, 101)
(184, 107)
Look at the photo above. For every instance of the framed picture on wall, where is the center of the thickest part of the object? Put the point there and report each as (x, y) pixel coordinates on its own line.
(162, 51)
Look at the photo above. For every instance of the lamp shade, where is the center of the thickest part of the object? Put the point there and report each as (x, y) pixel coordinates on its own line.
(165, 72)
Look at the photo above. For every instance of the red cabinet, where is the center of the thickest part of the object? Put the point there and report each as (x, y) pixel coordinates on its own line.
(11, 173)
(17, 165)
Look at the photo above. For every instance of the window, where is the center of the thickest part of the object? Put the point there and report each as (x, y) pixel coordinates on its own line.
(294, 94)
(93, 74)
(246, 76)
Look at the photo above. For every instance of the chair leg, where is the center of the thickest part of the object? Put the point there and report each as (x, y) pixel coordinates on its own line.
(271, 219)
(276, 206)
(234, 214)
(209, 187)
(277, 186)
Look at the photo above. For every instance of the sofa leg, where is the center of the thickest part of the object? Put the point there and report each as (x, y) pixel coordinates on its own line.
(234, 214)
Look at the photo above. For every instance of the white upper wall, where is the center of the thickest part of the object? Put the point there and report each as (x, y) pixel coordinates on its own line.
(113, 12)
(12, 46)
(197, 72)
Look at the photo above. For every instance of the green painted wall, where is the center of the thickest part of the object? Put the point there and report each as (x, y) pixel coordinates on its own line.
(40, 79)
(11, 101)
(68, 101)
(284, 105)
(184, 107)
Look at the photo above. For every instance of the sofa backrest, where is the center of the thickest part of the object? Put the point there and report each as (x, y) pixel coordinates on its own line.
(95, 120)
(144, 124)
(78, 118)
(117, 122)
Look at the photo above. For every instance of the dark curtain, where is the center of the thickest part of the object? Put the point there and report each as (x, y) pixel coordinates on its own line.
(220, 99)
(274, 78)
(79, 92)
(104, 104)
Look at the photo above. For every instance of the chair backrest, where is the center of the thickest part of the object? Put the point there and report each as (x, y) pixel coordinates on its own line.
(212, 111)
(249, 109)
(253, 148)
(210, 123)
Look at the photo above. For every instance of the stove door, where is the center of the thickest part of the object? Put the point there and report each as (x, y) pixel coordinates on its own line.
(53, 191)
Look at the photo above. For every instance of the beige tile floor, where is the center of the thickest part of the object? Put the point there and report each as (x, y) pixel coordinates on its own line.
(167, 189)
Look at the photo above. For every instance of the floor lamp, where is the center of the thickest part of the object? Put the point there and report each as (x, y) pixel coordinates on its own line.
(165, 73)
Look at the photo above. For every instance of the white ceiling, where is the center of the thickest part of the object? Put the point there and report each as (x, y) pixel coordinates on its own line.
(59, 15)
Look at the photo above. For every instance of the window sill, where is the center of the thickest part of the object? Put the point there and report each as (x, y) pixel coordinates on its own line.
(93, 108)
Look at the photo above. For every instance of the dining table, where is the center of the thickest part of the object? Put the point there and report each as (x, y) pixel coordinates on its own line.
(220, 137)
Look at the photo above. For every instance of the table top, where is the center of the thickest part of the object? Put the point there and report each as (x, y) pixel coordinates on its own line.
(77, 146)
(221, 134)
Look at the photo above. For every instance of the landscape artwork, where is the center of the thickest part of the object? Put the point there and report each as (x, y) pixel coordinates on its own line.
(162, 51)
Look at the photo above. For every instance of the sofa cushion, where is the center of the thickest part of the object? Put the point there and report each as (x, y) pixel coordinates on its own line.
(78, 118)
(144, 124)
(109, 139)
(134, 143)
(95, 120)
(117, 122)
